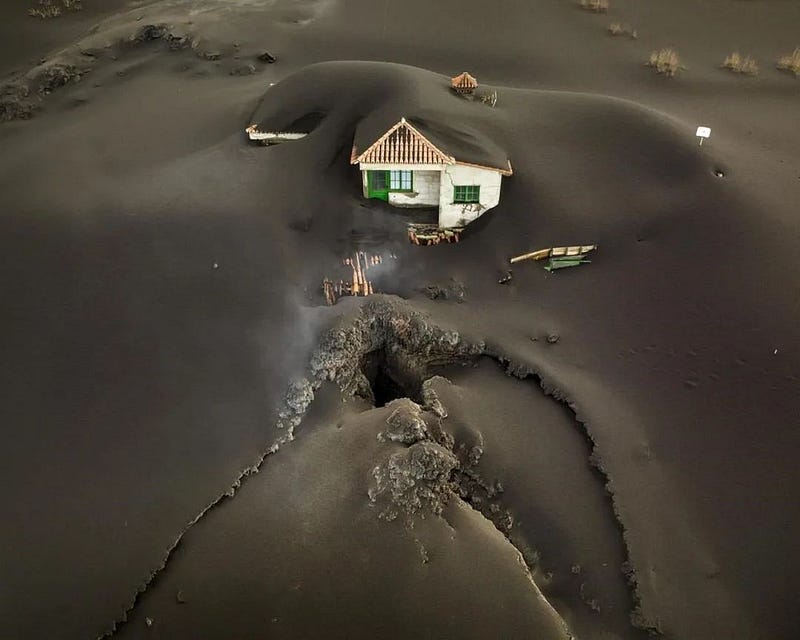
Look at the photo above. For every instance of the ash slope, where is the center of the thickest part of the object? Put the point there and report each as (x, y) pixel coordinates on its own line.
(666, 350)
(329, 565)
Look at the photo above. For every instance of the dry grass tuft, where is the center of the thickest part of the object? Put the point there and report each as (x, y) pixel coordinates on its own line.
(790, 62)
(741, 64)
(665, 61)
(54, 8)
(597, 6)
(619, 29)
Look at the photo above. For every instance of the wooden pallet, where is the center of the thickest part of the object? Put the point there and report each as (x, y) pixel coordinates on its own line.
(428, 234)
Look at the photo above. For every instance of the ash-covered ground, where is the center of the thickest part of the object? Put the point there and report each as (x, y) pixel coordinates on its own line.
(195, 445)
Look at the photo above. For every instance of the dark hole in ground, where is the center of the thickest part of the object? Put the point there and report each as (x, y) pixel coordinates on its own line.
(386, 381)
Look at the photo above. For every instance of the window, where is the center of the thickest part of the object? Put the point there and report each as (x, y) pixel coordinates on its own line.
(379, 182)
(400, 180)
(465, 194)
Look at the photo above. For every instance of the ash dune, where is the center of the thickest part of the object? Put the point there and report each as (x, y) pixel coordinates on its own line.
(160, 284)
(331, 554)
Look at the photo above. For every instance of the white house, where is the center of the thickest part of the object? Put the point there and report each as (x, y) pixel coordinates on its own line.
(406, 169)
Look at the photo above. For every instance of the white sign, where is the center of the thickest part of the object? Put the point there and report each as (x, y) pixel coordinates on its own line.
(703, 132)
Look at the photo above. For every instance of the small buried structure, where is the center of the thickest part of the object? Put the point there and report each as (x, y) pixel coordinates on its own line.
(463, 83)
(275, 132)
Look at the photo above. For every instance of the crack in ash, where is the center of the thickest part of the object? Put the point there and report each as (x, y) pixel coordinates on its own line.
(414, 344)
(409, 345)
(525, 372)
(433, 469)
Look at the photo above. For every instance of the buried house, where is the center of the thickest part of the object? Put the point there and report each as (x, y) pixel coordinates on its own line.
(404, 167)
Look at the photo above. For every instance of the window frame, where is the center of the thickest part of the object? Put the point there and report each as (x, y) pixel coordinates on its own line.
(471, 194)
(402, 174)
(373, 178)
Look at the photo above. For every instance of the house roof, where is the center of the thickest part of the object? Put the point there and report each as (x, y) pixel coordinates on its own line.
(422, 143)
(463, 81)
(402, 144)
(363, 101)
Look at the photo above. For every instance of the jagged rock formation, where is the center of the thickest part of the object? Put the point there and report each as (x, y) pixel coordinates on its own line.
(405, 424)
(414, 481)
(407, 342)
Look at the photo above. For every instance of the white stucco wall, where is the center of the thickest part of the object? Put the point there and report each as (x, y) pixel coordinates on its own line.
(426, 187)
(458, 215)
(433, 185)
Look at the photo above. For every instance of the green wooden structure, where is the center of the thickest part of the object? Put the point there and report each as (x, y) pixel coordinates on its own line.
(380, 183)
(563, 262)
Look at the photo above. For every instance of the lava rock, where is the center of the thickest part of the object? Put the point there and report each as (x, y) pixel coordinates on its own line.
(405, 423)
(414, 480)
(431, 399)
(296, 402)
(453, 291)
(176, 42)
(410, 341)
(243, 70)
(150, 32)
(55, 76)
(14, 102)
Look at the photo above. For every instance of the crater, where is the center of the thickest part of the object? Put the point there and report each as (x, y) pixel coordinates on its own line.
(389, 381)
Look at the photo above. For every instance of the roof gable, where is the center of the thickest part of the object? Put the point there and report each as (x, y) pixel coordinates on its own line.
(463, 82)
(402, 144)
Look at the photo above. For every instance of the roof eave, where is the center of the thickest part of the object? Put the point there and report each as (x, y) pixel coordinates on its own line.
(505, 172)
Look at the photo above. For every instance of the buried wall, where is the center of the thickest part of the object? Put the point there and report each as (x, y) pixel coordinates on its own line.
(424, 192)
(452, 214)
(425, 187)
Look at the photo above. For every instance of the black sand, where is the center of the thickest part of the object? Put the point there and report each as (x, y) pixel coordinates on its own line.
(160, 290)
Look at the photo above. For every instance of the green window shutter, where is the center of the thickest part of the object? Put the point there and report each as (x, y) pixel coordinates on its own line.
(466, 194)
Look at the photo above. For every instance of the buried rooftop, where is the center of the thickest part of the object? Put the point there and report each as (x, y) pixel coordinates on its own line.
(429, 147)
(293, 130)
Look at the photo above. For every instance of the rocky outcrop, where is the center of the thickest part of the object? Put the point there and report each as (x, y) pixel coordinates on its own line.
(405, 424)
(414, 482)
(20, 98)
(408, 341)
